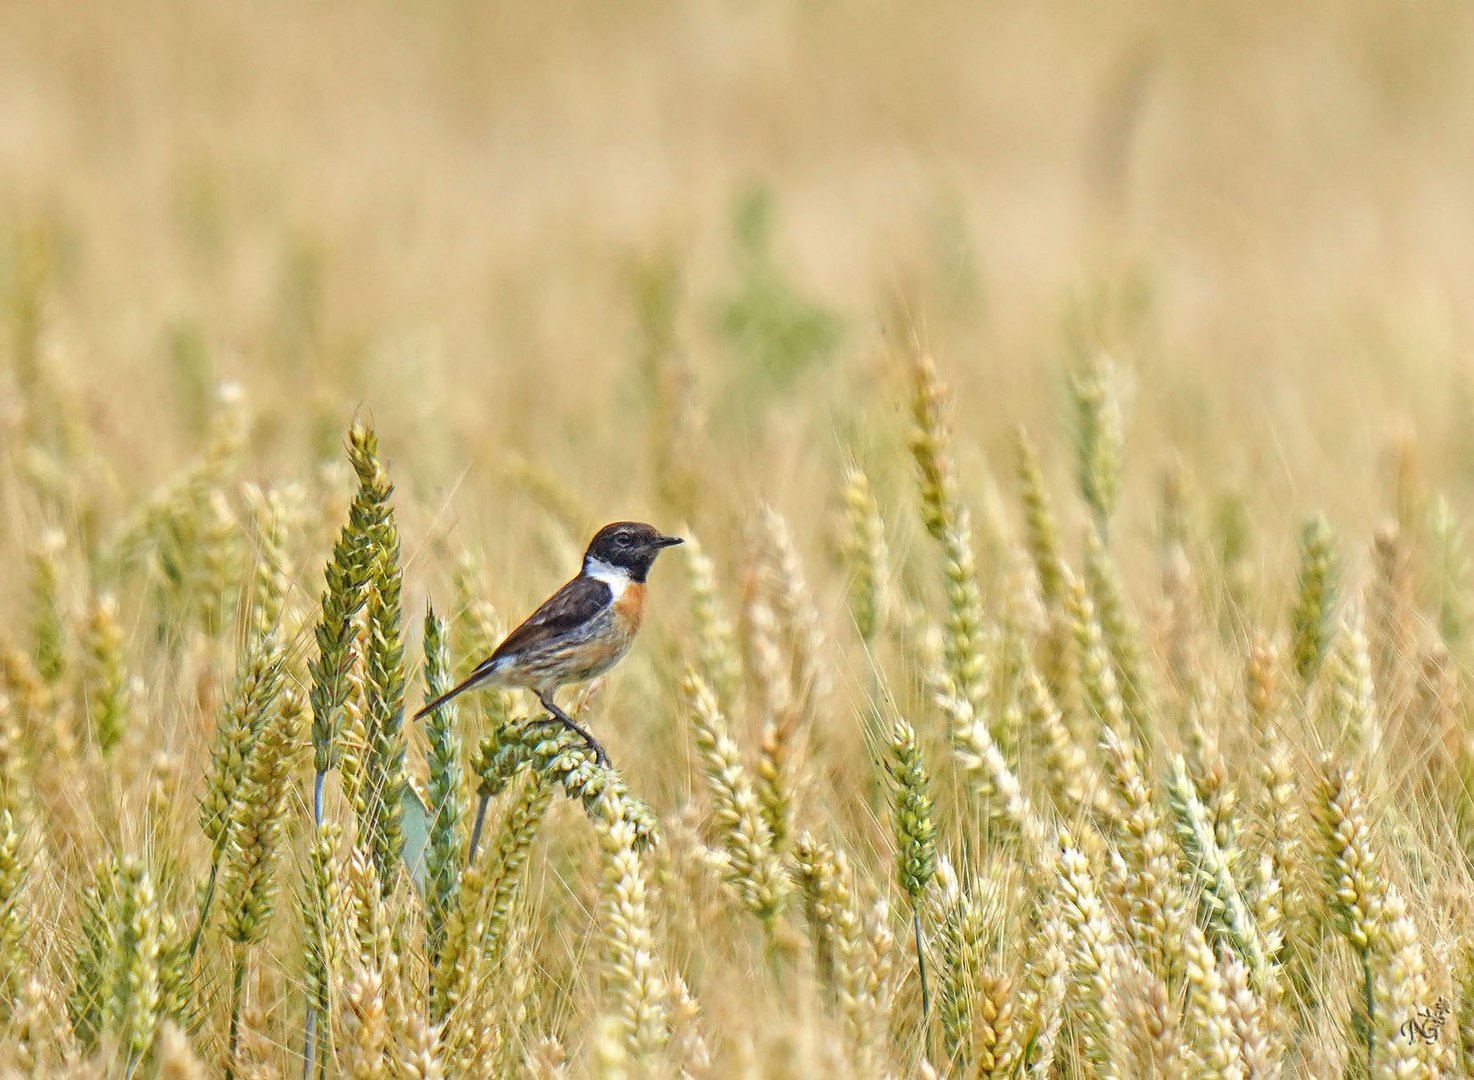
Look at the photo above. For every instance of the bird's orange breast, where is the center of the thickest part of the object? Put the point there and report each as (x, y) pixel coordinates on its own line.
(629, 609)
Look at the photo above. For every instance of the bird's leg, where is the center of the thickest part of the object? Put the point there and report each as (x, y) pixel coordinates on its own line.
(572, 725)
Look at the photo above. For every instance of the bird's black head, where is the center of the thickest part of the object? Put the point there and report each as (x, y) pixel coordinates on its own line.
(628, 545)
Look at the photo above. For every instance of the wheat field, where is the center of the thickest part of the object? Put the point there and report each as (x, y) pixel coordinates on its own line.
(1070, 415)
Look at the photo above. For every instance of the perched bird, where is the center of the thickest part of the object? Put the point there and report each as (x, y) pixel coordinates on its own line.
(579, 632)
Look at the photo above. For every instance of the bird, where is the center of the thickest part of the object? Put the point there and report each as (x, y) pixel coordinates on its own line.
(579, 632)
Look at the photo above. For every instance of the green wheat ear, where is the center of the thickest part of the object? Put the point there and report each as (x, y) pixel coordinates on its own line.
(349, 575)
(445, 792)
(916, 835)
(866, 555)
(916, 832)
(272, 516)
(260, 681)
(1099, 437)
(947, 519)
(1042, 534)
(258, 824)
(48, 617)
(1312, 619)
(228, 784)
(106, 679)
(385, 680)
(560, 756)
(116, 997)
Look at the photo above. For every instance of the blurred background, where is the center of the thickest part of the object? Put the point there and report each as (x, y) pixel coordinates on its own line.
(512, 232)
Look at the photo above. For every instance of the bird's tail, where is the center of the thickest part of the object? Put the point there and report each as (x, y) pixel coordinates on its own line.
(471, 682)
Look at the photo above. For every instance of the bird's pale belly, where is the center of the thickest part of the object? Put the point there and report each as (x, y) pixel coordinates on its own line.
(572, 658)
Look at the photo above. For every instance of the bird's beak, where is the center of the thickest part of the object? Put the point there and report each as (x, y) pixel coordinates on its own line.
(669, 541)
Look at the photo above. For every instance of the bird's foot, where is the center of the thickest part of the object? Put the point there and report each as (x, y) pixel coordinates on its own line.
(594, 746)
(600, 757)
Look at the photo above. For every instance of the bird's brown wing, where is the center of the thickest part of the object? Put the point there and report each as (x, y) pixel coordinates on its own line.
(564, 612)
(567, 609)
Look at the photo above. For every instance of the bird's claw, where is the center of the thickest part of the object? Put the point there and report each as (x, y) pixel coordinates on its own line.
(601, 758)
(597, 749)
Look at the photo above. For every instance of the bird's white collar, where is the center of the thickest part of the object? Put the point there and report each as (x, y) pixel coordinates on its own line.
(616, 577)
